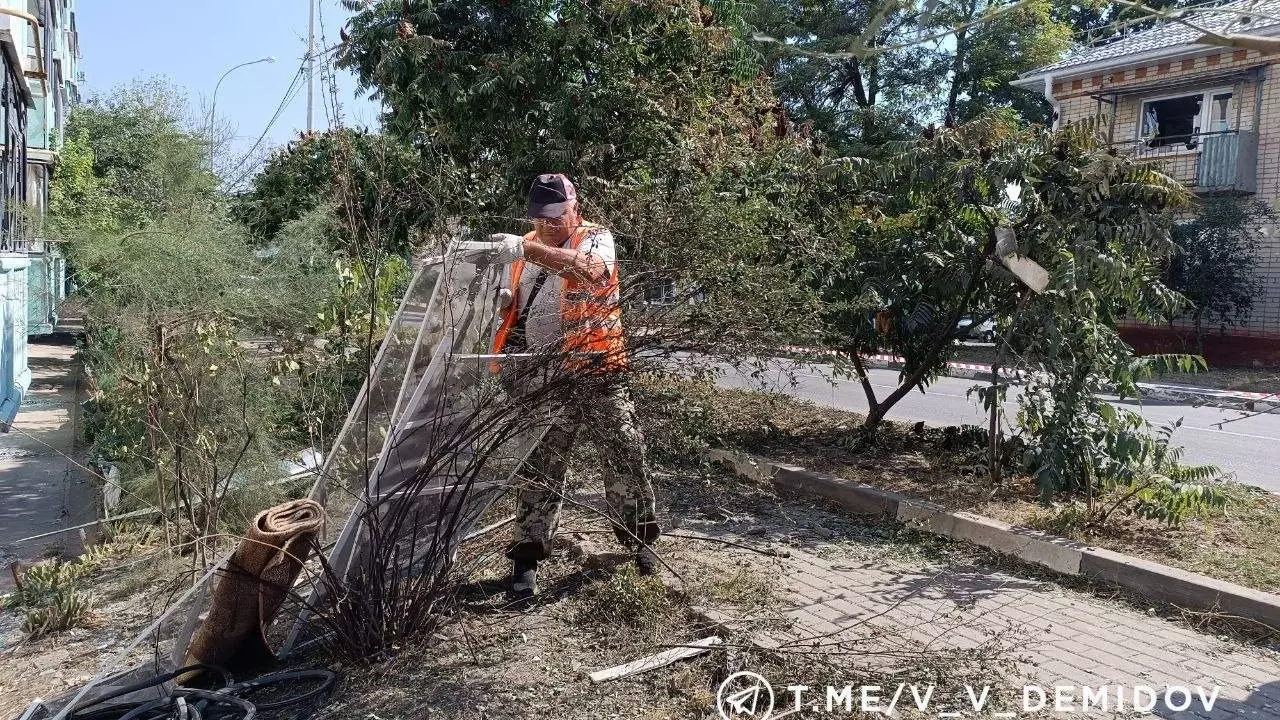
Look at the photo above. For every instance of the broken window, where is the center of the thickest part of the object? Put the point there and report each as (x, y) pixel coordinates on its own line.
(1180, 120)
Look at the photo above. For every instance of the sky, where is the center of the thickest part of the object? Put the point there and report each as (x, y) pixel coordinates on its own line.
(193, 42)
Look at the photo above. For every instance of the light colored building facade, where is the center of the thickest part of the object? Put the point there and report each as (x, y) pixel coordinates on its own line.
(59, 55)
(40, 49)
(1208, 114)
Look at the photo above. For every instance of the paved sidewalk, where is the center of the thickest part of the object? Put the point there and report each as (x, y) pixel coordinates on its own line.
(42, 487)
(1062, 637)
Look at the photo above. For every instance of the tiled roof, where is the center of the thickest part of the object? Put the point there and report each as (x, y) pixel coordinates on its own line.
(1169, 34)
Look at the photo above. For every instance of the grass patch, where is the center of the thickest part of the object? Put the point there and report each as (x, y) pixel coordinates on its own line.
(51, 597)
(625, 599)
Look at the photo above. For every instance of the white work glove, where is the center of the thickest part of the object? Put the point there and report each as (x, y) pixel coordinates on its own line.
(502, 248)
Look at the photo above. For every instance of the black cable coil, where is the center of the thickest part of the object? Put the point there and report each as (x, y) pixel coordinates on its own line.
(232, 701)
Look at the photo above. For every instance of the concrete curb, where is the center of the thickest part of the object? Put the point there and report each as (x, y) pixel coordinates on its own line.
(1148, 579)
(1212, 397)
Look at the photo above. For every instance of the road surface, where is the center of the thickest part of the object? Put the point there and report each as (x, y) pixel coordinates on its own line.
(1249, 447)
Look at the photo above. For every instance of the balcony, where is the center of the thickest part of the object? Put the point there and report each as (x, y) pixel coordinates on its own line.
(1208, 163)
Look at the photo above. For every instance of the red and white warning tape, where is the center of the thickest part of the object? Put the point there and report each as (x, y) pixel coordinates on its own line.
(976, 367)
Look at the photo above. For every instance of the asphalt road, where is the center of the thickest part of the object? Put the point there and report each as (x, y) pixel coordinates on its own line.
(1249, 447)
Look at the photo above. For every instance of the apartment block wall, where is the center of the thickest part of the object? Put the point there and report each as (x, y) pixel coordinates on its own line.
(1077, 97)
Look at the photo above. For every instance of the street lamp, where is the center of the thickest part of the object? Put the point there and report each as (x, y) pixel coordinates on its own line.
(213, 102)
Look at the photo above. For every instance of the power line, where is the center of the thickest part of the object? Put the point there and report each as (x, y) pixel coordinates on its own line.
(289, 95)
(1091, 35)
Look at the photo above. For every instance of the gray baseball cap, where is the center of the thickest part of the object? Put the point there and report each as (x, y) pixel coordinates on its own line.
(550, 196)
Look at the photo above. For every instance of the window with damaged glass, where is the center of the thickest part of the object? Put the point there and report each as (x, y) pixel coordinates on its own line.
(1183, 119)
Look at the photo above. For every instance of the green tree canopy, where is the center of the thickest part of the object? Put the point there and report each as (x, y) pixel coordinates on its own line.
(870, 73)
(658, 110)
(377, 176)
(144, 161)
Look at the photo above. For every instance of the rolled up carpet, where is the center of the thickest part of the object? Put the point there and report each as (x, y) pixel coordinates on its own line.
(253, 586)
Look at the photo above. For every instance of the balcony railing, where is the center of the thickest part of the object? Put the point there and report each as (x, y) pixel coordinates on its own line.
(1214, 162)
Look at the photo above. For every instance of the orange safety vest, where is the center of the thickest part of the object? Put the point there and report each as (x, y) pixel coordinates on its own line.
(590, 314)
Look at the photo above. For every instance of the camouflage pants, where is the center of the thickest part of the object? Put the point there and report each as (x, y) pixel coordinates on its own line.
(607, 419)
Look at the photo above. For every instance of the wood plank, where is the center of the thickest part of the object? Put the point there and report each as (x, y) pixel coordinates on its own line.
(653, 662)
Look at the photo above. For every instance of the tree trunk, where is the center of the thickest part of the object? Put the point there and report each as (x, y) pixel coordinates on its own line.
(876, 414)
(957, 68)
(993, 427)
(863, 379)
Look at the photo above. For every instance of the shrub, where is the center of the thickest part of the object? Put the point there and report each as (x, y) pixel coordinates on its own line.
(51, 599)
(626, 599)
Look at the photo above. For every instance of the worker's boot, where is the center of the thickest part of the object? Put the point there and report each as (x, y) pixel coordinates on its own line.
(646, 561)
(524, 579)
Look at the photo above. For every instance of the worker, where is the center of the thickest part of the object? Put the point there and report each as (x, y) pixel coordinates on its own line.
(563, 296)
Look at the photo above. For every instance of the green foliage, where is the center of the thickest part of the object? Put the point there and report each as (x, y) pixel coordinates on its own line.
(1100, 225)
(511, 89)
(680, 418)
(855, 103)
(145, 163)
(865, 74)
(912, 249)
(76, 194)
(1163, 488)
(178, 400)
(656, 109)
(626, 600)
(1101, 21)
(170, 290)
(909, 242)
(51, 597)
(376, 176)
(349, 305)
(999, 41)
(1215, 266)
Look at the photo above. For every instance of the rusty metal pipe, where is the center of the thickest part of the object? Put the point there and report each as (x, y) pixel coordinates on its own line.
(35, 25)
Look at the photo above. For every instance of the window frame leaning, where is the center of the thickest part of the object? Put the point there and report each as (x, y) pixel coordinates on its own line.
(1201, 121)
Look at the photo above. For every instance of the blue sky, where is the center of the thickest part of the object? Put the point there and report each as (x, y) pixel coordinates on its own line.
(193, 42)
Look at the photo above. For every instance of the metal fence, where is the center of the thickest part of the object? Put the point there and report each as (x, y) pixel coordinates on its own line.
(1224, 161)
(13, 164)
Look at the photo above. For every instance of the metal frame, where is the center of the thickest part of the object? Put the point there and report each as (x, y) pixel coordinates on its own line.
(452, 329)
(13, 159)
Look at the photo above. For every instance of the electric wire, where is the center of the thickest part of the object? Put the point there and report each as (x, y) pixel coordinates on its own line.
(291, 93)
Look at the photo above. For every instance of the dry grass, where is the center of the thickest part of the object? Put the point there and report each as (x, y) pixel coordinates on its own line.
(130, 582)
(1237, 546)
(494, 662)
(1244, 379)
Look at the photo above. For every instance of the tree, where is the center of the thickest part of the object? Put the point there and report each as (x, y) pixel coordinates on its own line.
(76, 194)
(1100, 22)
(1215, 265)
(657, 109)
(916, 246)
(146, 162)
(869, 73)
(383, 176)
(170, 288)
(996, 41)
(850, 69)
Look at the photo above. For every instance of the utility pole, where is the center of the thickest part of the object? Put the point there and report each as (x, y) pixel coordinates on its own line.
(311, 65)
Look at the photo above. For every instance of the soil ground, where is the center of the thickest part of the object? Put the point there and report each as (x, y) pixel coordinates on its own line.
(490, 659)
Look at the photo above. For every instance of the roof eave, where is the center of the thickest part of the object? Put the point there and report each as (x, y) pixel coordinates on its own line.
(1036, 77)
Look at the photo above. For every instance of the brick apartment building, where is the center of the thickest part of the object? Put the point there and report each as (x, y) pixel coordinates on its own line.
(1209, 114)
